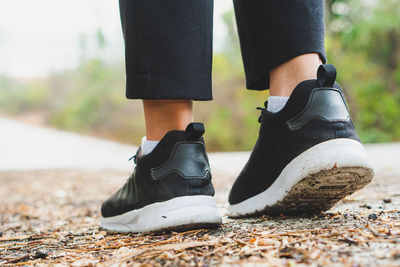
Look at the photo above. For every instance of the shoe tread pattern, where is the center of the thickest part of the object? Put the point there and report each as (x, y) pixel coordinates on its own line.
(321, 191)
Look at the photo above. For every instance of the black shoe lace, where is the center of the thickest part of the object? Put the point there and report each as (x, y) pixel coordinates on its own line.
(263, 111)
(136, 156)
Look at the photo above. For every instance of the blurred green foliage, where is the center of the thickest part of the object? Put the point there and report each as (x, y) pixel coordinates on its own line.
(364, 44)
(363, 41)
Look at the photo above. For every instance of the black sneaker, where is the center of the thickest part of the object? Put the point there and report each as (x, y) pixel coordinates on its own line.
(307, 156)
(170, 188)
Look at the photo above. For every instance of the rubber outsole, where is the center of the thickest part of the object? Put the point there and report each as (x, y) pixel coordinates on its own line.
(321, 191)
(177, 214)
(312, 182)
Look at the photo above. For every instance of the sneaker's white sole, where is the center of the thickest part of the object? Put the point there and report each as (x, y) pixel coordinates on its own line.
(313, 181)
(179, 213)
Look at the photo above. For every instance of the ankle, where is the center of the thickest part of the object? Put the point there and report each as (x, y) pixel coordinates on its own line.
(285, 77)
(162, 116)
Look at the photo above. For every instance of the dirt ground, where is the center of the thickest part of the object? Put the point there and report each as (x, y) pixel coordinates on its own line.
(51, 217)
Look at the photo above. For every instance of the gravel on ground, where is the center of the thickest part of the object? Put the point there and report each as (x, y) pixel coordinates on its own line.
(51, 218)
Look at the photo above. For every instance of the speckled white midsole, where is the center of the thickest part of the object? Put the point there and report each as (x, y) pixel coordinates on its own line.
(175, 213)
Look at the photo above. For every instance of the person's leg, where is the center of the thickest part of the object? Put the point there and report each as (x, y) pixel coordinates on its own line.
(168, 47)
(308, 155)
(287, 75)
(276, 38)
(168, 65)
(162, 116)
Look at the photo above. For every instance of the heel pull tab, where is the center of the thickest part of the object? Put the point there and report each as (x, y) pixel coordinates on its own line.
(194, 131)
(326, 75)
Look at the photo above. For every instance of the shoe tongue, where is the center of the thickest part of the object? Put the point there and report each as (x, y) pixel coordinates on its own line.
(194, 131)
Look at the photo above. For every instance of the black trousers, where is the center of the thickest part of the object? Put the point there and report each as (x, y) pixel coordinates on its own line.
(168, 43)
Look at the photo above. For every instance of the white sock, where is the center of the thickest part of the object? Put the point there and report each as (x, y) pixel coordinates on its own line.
(148, 146)
(276, 103)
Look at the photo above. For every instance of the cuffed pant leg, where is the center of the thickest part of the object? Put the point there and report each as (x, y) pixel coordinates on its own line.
(168, 48)
(272, 32)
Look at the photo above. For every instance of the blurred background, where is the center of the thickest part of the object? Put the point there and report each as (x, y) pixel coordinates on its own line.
(62, 66)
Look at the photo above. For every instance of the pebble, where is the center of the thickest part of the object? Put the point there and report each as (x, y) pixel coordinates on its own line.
(366, 206)
(387, 200)
(40, 255)
(372, 216)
